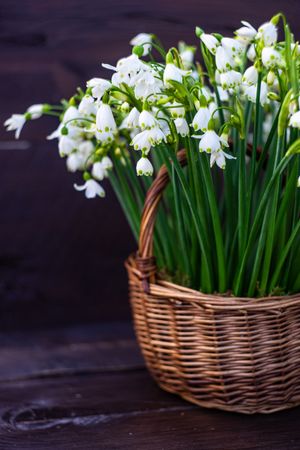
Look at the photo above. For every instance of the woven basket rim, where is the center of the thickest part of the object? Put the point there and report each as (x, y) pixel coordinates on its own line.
(175, 292)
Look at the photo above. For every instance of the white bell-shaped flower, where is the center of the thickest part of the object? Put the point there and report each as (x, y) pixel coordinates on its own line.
(182, 126)
(35, 111)
(251, 53)
(98, 86)
(201, 119)
(71, 113)
(144, 40)
(105, 124)
(173, 73)
(210, 41)
(295, 120)
(268, 33)
(176, 110)
(66, 145)
(232, 46)
(250, 76)
(107, 163)
(219, 158)
(246, 33)
(251, 92)
(144, 167)
(74, 162)
(231, 79)
(15, 123)
(209, 142)
(98, 171)
(147, 120)
(92, 189)
(132, 120)
(271, 58)
(87, 106)
(224, 61)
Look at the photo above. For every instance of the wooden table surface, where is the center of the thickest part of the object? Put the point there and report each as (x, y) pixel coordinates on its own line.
(87, 388)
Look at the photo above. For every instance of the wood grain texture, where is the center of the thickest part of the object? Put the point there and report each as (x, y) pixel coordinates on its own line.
(112, 403)
(58, 250)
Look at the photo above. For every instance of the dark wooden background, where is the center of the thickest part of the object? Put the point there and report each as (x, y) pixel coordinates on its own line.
(61, 256)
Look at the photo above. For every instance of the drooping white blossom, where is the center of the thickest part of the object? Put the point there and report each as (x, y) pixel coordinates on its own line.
(209, 142)
(144, 167)
(147, 120)
(210, 41)
(224, 60)
(66, 145)
(35, 111)
(144, 40)
(219, 157)
(246, 33)
(98, 87)
(271, 58)
(92, 189)
(232, 46)
(268, 33)
(182, 126)
(201, 119)
(295, 120)
(15, 123)
(132, 120)
(105, 123)
(173, 73)
(250, 76)
(230, 79)
(251, 92)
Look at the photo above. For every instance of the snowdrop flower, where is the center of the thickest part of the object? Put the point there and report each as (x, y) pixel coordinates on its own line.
(146, 83)
(91, 188)
(147, 120)
(35, 111)
(223, 94)
(246, 33)
(71, 113)
(107, 163)
(132, 120)
(209, 142)
(66, 145)
(210, 41)
(250, 93)
(268, 33)
(74, 162)
(271, 58)
(176, 110)
(251, 53)
(230, 79)
(148, 138)
(105, 123)
(224, 61)
(98, 171)
(187, 57)
(250, 76)
(295, 120)
(15, 123)
(232, 46)
(87, 106)
(201, 119)
(142, 39)
(173, 73)
(219, 158)
(181, 126)
(144, 167)
(98, 86)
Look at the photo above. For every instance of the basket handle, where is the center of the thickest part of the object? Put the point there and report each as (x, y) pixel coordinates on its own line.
(145, 259)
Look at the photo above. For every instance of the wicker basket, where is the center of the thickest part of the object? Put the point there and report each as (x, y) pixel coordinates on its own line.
(235, 354)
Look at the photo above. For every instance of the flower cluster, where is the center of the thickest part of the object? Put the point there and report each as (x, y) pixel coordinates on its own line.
(243, 94)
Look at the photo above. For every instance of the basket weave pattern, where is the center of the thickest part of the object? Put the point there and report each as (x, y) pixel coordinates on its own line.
(235, 354)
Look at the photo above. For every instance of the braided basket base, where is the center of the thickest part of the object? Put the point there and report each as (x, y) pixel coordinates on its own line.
(228, 353)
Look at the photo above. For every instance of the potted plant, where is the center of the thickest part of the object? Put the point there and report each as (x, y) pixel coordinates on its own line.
(215, 283)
